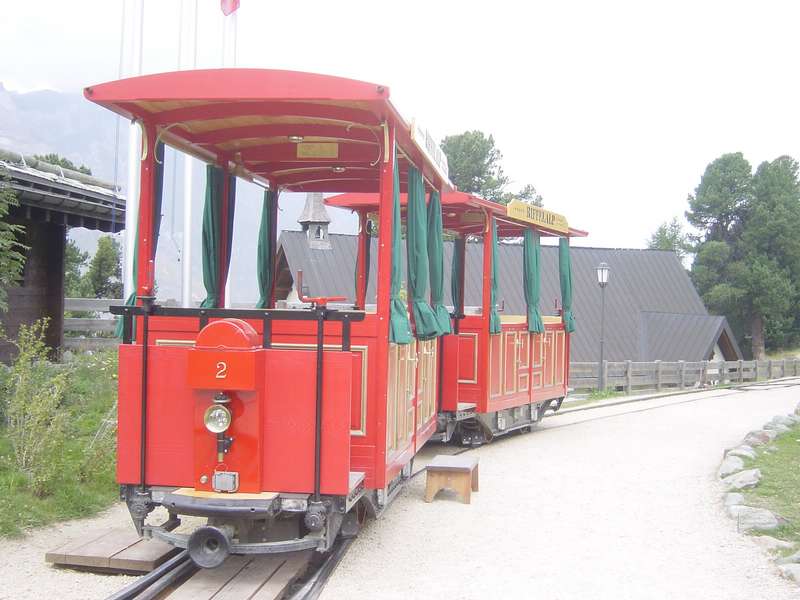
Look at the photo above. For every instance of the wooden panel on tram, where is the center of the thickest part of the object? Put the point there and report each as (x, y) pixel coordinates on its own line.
(559, 357)
(523, 361)
(495, 365)
(548, 358)
(537, 380)
(509, 362)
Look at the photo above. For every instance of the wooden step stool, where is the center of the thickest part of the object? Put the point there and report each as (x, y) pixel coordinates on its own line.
(458, 473)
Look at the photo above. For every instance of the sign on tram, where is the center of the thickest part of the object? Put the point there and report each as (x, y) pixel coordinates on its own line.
(537, 216)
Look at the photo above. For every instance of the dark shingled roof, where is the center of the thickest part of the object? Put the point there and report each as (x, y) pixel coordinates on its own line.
(653, 311)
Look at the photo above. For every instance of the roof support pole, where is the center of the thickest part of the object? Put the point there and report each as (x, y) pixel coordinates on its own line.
(384, 285)
(145, 282)
(486, 309)
(226, 229)
(361, 265)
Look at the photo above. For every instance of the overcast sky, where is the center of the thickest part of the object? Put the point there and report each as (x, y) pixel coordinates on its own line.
(611, 109)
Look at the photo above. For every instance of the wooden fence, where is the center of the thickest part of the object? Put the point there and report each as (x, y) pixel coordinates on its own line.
(629, 377)
(632, 377)
(90, 333)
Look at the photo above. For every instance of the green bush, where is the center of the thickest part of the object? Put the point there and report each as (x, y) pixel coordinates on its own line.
(35, 418)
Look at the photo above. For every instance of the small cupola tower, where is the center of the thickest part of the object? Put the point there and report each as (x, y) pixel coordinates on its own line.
(315, 220)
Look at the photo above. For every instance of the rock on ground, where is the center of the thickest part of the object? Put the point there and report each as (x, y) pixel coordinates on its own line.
(771, 544)
(797, 410)
(742, 451)
(743, 479)
(730, 465)
(784, 420)
(757, 438)
(754, 519)
(791, 572)
(733, 498)
(787, 560)
(779, 427)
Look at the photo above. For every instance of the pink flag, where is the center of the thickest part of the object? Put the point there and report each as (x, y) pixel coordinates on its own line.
(228, 6)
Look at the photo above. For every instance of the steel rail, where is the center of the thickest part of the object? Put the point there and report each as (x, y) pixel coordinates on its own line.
(170, 571)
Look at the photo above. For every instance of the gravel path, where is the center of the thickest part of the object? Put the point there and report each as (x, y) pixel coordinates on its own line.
(620, 502)
(24, 574)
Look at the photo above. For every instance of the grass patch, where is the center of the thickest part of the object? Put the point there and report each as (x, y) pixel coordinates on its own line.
(779, 489)
(84, 482)
(784, 353)
(603, 394)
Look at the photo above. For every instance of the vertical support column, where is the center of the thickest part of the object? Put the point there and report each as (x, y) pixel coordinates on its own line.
(223, 237)
(460, 246)
(145, 281)
(361, 266)
(383, 286)
(274, 241)
(486, 310)
(741, 371)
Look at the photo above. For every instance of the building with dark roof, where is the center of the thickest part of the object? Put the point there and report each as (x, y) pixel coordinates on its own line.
(653, 311)
(50, 200)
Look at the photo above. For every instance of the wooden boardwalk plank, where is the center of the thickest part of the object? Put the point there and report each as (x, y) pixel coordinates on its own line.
(144, 555)
(58, 555)
(119, 549)
(290, 570)
(207, 582)
(98, 551)
(250, 579)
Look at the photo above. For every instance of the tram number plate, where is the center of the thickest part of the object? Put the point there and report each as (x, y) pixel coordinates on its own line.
(222, 370)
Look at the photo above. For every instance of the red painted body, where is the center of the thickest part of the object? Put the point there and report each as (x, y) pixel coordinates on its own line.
(248, 123)
(272, 402)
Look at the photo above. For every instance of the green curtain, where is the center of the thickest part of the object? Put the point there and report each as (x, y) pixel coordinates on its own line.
(265, 265)
(158, 192)
(212, 234)
(531, 280)
(459, 252)
(565, 275)
(436, 262)
(399, 327)
(426, 325)
(494, 316)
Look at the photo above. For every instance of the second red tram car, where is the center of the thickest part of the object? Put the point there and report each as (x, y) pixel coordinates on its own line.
(285, 426)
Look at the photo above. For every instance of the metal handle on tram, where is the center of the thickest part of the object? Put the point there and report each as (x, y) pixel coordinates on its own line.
(315, 300)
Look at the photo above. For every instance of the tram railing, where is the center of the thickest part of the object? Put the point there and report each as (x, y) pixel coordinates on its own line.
(632, 377)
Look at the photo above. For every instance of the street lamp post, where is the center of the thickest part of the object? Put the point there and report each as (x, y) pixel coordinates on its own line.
(602, 279)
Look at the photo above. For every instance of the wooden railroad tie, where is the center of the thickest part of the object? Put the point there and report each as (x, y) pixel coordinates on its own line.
(457, 473)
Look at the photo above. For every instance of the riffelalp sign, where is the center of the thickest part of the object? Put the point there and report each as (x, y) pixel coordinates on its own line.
(536, 215)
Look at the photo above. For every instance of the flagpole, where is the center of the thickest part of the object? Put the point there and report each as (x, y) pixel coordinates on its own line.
(188, 17)
(228, 59)
(134, 25)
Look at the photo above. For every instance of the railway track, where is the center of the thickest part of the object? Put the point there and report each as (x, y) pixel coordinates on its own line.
(303, 576)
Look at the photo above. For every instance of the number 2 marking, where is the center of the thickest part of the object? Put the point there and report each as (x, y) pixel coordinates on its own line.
(222, 370)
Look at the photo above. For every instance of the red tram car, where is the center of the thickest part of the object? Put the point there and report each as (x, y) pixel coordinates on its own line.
(284, 427)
